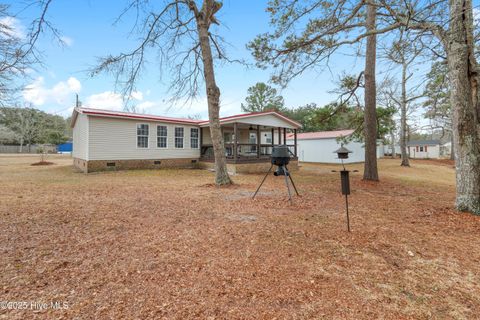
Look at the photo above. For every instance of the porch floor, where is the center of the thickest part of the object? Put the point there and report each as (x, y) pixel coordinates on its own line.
(245, 160)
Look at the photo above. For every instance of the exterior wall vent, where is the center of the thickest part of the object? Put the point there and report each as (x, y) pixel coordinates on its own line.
(157, 162)
(110, 164)
(194, 161)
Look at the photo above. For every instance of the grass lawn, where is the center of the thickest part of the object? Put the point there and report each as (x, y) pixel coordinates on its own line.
(167, 244)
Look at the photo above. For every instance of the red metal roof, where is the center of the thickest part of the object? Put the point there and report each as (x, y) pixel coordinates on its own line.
(253, 114)
(122, 114)
(321, 135)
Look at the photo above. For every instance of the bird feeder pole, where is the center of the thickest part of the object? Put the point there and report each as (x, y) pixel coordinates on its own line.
(344, 178)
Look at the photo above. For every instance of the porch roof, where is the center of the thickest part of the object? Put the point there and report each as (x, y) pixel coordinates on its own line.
(265, 119)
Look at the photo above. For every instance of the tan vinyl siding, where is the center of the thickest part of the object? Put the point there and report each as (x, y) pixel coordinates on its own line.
(80, 137)
(206, 138)
(116, 139)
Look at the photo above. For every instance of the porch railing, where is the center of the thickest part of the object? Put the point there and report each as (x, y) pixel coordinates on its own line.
(245, 151)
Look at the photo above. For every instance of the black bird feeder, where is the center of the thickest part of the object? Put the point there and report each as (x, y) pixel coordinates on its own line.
(342, 153)
(280, 158)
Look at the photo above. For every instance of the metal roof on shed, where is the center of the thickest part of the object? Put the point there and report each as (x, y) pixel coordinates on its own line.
(321, 135)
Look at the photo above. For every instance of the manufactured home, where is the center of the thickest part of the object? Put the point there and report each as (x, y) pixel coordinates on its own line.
(112, 140)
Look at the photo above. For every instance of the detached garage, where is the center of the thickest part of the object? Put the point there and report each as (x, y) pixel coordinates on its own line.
(320, 146)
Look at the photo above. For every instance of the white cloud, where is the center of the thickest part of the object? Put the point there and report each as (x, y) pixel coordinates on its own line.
(74, 84)
(476, 15)
(105, 100)
(61, 93)
(146, 105)
(137, 95)
(114, 101)
(12, 27)
(179, 108)
(67, 41)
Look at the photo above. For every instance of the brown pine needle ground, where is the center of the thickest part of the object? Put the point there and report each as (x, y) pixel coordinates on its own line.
(166, 244)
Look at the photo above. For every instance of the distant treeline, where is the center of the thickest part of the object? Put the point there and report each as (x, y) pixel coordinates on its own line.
(27, 126)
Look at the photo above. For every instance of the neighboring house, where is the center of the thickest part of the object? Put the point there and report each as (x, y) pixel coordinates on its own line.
(105, 139)
(387, 150)
(424, 149)
(320, 147)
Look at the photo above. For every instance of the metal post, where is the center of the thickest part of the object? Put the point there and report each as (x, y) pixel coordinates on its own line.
(273, 139)
(264, 178)
(200, 138)
(293, 184)
(348, 218)
(295, 141)
(235, 133)
(258, 141)
(285, 172)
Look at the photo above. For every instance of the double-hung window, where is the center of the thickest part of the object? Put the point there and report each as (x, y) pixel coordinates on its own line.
(179, 137)
(194, 138)
(142, 135)
(162, 134)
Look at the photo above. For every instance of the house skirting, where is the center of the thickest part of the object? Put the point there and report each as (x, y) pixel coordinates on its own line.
(254, 167)
(112, 165)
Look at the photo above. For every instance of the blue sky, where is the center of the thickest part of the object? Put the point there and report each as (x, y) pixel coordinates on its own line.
(89, 33)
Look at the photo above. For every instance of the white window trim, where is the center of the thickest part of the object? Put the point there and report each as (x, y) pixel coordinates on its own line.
(198, 138)
(175, 138)
(161, 125)
(136, 136)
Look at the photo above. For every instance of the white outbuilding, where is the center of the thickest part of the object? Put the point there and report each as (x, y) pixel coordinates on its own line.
(424, 149)
(320, 146)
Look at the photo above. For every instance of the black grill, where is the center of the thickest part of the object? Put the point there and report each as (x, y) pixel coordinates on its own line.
(280, 158)
(280, 155)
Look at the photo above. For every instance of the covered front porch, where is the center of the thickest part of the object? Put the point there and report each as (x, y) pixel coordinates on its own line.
(249, 139)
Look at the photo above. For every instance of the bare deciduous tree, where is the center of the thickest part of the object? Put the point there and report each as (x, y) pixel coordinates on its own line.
(451, 24)
(18, 52)
(181, 33)
(404, 51)
(308, 33)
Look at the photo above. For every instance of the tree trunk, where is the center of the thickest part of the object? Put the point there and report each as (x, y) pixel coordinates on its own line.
(403, 118)
(213, 98)
(466, 108)
(370, 120)
(452, 149)
(392, 136)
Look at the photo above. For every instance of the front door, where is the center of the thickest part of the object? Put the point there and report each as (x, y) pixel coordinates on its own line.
(252, 139)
